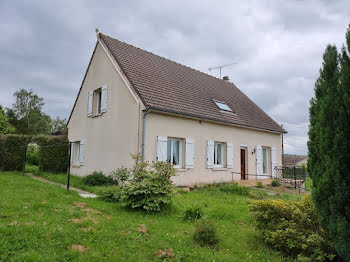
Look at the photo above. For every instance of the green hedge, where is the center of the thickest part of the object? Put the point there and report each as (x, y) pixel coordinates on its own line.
(12, 150)
(53, 153)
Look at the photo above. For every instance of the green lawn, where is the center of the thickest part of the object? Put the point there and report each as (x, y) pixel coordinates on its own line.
(41, 222)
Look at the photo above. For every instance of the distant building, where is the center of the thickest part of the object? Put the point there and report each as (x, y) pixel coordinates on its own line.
(294, 160)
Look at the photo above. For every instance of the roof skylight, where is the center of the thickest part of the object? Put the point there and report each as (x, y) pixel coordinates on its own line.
(222, 106)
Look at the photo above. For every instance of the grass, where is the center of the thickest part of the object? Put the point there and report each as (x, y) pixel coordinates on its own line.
(75, 181)
(41, 222)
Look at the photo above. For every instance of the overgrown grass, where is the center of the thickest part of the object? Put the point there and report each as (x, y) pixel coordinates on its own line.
(41, 222)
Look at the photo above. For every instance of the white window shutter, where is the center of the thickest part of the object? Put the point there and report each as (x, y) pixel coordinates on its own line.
(81, 152)
(162, 144)
(229, 154)
(90, 103)
(189, 153)
(273, 161)
(104, 99)
(259, 162)
(71, 152)
(210, 154)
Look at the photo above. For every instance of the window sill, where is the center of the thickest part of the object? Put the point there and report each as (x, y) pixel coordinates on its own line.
(97, 115)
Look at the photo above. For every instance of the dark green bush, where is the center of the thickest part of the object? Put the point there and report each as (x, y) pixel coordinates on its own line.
(150, 188)
(33, 156)
(259, 184)
(275, 183)
(292, 227)
(12, 150)
(53, 153)
(205, 233)
(192, 213)
(111, 194)
(97, 178)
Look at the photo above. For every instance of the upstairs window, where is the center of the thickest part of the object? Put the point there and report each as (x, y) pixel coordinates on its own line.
(222, 106)
(97, 101)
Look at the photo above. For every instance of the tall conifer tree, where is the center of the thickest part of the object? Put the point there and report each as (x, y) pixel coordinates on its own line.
(329, 147)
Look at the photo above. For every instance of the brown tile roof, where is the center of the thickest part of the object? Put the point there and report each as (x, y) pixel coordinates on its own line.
(168, 86)
(292, 159)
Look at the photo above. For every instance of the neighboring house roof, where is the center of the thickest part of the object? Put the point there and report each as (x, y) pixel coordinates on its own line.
(292, 160)
(167, 86)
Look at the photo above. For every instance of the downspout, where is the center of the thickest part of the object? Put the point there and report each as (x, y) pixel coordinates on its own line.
(145, 113)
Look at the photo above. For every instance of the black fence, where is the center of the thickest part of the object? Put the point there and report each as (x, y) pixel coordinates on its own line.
(295, 173)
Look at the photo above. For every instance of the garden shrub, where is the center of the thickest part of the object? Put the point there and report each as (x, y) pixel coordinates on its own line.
(53, 152)
(292, 227)
(121, 175)
(12, 150)
(97, 178)
(111, 194)
(192, 213)
(205, 234)
(275, 183)
(259, 184)
(33, 157)
(150, 188)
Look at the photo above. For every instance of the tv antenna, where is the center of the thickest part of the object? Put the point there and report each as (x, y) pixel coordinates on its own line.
(219, 67)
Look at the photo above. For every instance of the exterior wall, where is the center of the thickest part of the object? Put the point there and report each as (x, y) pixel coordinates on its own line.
(112, 136)
(202, 131)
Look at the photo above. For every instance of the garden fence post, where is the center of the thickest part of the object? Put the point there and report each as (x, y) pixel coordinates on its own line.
(295, 179)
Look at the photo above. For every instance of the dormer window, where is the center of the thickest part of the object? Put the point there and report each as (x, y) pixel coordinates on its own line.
(222, 106)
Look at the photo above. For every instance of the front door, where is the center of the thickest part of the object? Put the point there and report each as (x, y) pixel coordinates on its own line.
(243, 163)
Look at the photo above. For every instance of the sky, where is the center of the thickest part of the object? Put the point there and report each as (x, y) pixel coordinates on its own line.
(277, 47)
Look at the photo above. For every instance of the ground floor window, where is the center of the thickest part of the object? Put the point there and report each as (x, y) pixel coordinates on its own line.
(76, 153)
(218, 154)
(174, 152)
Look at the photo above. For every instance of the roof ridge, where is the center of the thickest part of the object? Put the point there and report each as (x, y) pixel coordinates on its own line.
(217, 78)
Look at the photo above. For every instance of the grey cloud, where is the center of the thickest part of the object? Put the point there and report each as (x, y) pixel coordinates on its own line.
(46, 46)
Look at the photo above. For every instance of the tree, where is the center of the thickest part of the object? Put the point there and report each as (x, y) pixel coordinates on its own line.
(5, 126)
(329, 147)
(27, 114)
(59, 126)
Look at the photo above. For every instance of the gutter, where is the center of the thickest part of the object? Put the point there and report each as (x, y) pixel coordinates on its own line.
(145, 113)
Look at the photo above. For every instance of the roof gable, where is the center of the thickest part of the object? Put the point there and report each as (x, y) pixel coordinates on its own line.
(168, 86)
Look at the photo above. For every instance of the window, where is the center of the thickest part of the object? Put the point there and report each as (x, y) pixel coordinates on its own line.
(218, 154)
(97, 101)
(265, 160)
(174, 152)
(222, 106)
(76, 153)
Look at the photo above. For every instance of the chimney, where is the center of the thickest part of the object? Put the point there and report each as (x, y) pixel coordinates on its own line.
(226, 78)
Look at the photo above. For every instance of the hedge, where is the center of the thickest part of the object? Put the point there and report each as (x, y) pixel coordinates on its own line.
(12, 150)
(53, 153)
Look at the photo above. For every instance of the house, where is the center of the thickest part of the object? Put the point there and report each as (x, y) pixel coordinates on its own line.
(134, 102)
(294, 160)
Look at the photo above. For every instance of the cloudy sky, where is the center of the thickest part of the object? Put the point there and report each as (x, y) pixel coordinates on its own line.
(277, 45)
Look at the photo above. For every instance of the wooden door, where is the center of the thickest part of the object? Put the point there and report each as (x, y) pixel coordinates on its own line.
(243, 164)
